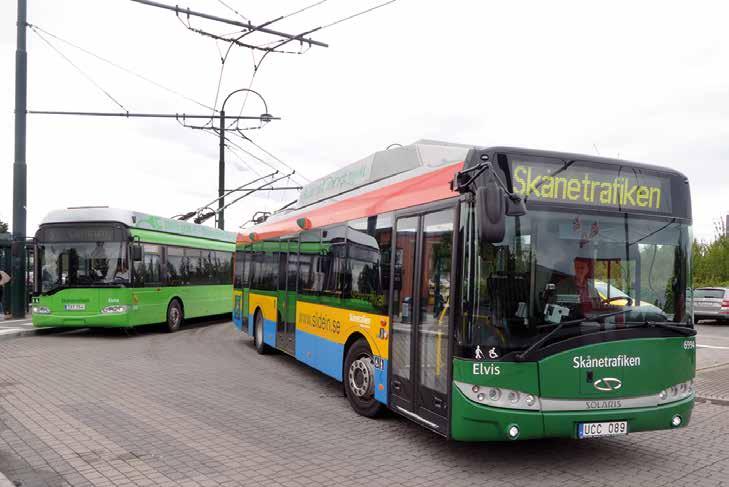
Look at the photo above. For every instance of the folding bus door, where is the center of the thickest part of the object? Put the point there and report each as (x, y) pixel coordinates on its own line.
(421, 316)
(286, 297)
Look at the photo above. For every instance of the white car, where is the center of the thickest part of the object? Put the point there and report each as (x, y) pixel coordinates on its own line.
(711, 303)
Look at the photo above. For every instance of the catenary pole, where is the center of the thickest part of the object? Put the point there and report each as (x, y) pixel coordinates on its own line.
(221, 171)
(17, 296)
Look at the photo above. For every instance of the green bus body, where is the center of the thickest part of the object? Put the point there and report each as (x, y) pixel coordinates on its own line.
(576, 324)
(180, 262)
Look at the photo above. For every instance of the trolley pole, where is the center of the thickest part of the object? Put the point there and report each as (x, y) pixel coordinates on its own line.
(221, 172)
(18, 297)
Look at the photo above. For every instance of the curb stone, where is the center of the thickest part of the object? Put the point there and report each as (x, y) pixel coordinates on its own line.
(22, 333)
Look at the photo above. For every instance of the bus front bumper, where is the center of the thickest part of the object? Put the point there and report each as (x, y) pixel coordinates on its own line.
(476, 422)
(100, 320)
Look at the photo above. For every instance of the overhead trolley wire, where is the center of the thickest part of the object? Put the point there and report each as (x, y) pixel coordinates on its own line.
(122, 68)
(304, 9)
(247, 139)
(233, 10)
(81, 71)
(276, 158)
(344, 19)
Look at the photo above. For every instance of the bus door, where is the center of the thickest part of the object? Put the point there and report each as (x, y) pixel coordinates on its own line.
(286, 296)
(420, 318)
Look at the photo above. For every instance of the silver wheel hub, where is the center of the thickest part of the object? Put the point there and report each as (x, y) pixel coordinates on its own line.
(175, 316)
(259, 332)
(362, 377)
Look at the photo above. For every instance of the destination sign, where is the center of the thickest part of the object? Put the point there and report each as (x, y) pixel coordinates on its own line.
(80, 234)
(582, 184)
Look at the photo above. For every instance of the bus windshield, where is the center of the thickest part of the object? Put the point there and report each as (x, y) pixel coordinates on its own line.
(83, 264)
(562, 266)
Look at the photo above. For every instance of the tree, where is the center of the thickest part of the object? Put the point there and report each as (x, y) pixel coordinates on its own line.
(3, 227)
(711, 260)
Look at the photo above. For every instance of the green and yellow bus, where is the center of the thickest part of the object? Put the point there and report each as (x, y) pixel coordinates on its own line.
(106, 267)
(485, 293)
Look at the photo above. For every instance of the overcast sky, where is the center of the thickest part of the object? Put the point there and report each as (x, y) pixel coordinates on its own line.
(645, 81)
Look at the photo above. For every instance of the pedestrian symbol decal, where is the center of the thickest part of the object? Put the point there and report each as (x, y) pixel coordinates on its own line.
(479, 353)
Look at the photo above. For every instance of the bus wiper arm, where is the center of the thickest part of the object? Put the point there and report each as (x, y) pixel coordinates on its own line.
(523, 356)
(681, 330)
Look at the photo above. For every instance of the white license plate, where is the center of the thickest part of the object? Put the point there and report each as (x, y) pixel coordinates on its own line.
(75, 307)
(609, 428)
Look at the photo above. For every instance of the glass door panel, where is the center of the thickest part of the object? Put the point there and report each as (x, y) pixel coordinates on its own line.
(403, 307)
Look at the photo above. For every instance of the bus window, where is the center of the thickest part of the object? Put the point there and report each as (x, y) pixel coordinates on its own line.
(195, 266)
(309, 275)
(175, 266)
(239, 270)
(152, 262)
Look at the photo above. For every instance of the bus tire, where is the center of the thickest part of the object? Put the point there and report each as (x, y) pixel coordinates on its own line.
(261, 347)
(359, 380)
(175, 316)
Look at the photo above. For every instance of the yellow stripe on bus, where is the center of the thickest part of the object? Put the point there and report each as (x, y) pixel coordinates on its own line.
(337, 324)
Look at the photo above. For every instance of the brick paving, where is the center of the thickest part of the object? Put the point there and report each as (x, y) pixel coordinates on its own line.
(201, 408)
(713, 385)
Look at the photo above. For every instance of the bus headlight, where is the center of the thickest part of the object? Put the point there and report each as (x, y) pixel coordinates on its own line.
(116, 309)
(676, 392)
(499, 397)
(40, 310)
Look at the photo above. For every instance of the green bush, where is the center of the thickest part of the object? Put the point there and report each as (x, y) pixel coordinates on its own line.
(711, 260)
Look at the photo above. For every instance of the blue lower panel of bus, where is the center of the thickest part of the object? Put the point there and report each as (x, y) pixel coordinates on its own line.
(320, 353)
(237, 315)
(381, 383)
(328, 357)
(269, 330)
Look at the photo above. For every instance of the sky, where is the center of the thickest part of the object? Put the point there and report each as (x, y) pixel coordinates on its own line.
(643, 81)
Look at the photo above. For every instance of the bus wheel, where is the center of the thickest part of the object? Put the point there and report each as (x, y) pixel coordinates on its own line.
(174, 316)
(359, 380)
(258, 334)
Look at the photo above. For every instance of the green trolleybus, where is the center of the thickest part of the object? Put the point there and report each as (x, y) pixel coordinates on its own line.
(105, 267)
(485, 293)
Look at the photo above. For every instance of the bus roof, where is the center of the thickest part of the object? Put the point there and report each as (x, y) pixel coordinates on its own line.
(384, 181)
(391, 180)
(138, 220)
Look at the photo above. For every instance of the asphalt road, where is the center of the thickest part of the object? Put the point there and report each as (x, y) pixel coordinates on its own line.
(713, 344)
(200, 407)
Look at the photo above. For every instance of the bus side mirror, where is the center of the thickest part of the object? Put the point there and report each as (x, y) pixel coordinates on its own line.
(515, 205)
(491, 211)
(136, 252)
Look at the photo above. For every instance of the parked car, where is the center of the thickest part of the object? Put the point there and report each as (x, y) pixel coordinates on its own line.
(711, 303)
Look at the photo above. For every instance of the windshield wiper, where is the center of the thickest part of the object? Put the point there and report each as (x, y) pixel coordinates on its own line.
(681, 330)
(598, 318)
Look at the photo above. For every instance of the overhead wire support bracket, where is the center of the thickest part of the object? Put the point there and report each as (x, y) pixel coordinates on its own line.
(206, 216)
(177, 116)
(186, 11)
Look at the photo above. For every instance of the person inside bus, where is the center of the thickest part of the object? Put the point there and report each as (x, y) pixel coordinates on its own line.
(121, 272)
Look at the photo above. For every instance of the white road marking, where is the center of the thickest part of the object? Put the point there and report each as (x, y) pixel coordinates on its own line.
(7, 331)
(20, 320)
(712, 347)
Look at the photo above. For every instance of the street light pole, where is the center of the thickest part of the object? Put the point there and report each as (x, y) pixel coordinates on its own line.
(265, 117)
(18, 299)
(221, 170)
